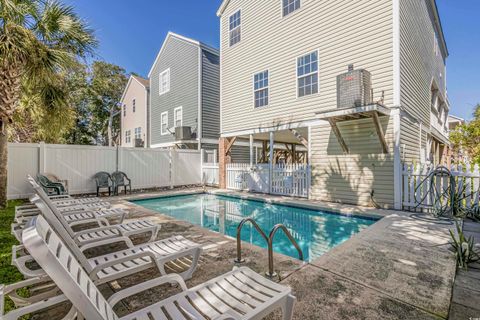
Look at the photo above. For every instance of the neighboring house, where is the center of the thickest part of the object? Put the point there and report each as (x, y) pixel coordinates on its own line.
(279, 65)
(184, 95)
(134, 113)
(454, 122)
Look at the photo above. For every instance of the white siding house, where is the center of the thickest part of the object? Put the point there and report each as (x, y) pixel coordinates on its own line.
(279, 65)
(134, 113)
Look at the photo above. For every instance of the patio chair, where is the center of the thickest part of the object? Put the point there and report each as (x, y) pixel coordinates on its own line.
(239, 294)
(51, 187)
(103, 180)
(120, 179)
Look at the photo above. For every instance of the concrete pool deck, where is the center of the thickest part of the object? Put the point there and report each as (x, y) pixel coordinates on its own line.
(398, 268)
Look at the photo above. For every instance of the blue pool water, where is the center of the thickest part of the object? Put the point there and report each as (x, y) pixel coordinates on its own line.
(315, 231)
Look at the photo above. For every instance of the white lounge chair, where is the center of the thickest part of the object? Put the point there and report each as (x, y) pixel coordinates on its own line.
(239, 294)
(134, 228)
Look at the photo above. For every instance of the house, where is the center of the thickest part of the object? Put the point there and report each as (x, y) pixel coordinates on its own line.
(184, 95)
(285, 66)
(134, 113)
(454, 122)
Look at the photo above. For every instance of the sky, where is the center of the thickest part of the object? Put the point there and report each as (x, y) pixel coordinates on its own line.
(131, 33)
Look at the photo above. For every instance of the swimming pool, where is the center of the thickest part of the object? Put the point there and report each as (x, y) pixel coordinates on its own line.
(315, 231)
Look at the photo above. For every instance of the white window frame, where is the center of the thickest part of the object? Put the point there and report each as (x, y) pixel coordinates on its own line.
(164, 126)
(139, 131)
(261, 89)
(230, 31)
(309, 74)
(175, 118)
(291, 12)
(128, 136)
(161, 89)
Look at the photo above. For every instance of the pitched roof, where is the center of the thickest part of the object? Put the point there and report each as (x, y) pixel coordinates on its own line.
(143, 81)
(183, 38)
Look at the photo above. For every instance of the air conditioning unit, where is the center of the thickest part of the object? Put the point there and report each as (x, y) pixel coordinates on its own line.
(354, 88)
(183, 133)
(139, 143)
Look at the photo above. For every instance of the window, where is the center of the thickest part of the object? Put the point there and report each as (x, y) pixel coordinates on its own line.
(138, 133)
(124, 110)
(289, 6)
(178, 117)
(164, 123)
(128, 137)
(307, 74)
(164, 82)
(436, 48)
(261, 89)
(235, 28)
(133, 105)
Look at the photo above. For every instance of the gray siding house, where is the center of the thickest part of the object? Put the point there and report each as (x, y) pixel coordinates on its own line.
(280, 60)
(184, 95)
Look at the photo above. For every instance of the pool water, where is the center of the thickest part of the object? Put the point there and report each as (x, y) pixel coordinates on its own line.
(316, 232)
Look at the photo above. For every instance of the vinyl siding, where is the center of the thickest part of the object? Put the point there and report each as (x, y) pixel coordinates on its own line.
(351, 178)
(182, 59)
(418, 67)
(210, 95)
(135, 119)
(344, 32)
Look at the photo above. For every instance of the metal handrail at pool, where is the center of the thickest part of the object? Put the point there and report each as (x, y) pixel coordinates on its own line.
(270, 273)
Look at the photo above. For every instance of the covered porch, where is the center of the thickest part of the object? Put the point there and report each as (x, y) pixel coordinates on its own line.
(278, 161)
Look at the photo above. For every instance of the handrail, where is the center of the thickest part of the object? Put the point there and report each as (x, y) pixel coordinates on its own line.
(239, 240)
(269, 241)
(271, 273)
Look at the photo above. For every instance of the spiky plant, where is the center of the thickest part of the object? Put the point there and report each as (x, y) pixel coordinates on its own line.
(464, 247)
(38, 38)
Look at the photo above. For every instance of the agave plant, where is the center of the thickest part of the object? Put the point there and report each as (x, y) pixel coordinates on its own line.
(464, 247)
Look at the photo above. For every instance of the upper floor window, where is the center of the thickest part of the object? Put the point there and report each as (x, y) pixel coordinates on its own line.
(289, 6)
(133, 105)
(138, 133)
(307, 74)
(164, 82)
(235, 27)
(178, 117)
(128, 137)
(124, 110)
(436, 48)
(164, 123)
(261, 89)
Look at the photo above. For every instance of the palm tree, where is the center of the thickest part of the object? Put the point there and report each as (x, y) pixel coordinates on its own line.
(38, 39)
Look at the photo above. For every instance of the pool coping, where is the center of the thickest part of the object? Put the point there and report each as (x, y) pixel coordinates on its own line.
(301, 203)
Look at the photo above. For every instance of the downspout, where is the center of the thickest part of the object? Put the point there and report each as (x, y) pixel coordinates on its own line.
(397, 163)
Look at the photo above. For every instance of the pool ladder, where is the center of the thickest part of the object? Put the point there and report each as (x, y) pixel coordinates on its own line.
(270, 273)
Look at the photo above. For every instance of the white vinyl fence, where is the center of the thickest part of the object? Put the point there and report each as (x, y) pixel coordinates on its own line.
(210, 168)
(417, 187)
(286, 180)
(148, 168)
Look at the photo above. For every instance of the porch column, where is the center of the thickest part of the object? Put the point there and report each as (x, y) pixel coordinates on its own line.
(251, 150)
(270, 162)
(224, 158)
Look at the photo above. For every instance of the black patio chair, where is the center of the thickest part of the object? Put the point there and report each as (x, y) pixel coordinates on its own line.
(120, 179)
(103, 180)
(50, 187)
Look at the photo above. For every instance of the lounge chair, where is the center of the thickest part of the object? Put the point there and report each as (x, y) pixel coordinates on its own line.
(239, 294)
(103, 180)
(134, 228)
(51, 187)
(120, 179)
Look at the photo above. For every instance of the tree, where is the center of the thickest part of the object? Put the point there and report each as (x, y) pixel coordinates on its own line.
(38, 39)
(466, 138)
(106, 87)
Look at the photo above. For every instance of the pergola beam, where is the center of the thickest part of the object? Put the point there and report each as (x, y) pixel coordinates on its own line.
(299, 137)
